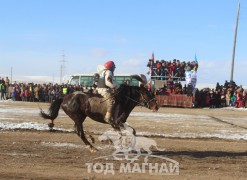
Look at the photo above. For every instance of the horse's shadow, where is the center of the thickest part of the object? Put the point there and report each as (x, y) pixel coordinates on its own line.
(201, 154)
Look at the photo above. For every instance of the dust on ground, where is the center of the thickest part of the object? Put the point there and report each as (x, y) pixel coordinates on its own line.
(41, 154)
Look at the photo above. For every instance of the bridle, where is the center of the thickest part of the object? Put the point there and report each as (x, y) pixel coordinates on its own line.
(144, 103)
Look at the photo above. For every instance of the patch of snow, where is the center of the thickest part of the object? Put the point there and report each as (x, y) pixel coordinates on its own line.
(167, 116)
(232, 136)
(6, 118)
(29, 125)
(56, 144)
(227, 109)
(70, 145)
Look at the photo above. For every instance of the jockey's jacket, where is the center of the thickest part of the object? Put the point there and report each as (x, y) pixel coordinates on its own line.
(106, 80)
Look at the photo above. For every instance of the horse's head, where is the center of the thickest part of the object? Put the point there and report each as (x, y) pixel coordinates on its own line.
(137, 95)
(148, 99)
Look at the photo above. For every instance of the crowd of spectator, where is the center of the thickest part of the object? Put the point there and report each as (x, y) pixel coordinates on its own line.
(225, 95)
(173, 87)
(173, 72)
(37, 92)
(170, 70)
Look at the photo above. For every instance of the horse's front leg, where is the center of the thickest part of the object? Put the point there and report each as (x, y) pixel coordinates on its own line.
(120, 120)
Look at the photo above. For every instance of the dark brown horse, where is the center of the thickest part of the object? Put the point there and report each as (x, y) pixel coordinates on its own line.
(79, 105)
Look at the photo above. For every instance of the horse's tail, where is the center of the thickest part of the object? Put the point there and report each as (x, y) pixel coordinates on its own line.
(53, 110)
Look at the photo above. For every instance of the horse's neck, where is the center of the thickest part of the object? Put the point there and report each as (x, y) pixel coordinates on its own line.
(132, 93)
(131, 100)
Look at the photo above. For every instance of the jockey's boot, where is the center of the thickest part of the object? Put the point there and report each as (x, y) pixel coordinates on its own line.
(108, 118)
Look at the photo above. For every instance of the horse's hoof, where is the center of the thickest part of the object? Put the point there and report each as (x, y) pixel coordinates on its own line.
(92, 149)
(50, 125)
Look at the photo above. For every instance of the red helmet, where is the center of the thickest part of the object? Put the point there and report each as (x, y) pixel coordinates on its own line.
(110, 65)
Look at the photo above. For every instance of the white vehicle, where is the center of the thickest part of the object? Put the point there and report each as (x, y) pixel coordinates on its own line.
(88, 80)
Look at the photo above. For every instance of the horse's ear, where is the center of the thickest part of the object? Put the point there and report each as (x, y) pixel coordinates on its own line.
(140, 77)
(137, 77)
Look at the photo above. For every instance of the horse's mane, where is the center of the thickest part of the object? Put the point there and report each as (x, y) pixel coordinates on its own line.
(91, 94)
(128, 86)
(122, 90)
(125, 90)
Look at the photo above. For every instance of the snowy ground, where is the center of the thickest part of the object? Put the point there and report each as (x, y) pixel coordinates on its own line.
(178, 125)
(207, 143)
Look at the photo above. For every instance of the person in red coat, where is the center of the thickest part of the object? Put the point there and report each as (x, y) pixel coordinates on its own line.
(238, 102)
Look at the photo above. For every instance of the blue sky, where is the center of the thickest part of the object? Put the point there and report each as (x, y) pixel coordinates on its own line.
(34, 33)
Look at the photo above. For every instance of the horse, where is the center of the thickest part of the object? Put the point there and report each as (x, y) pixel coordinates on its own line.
(79, 105)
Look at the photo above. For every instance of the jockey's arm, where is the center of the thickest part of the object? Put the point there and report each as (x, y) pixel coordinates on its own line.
(109, 81)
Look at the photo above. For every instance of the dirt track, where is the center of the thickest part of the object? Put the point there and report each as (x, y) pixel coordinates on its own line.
(34, 154)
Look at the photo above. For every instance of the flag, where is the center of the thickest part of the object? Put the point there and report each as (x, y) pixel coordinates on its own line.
(152, 58)
(195, 60)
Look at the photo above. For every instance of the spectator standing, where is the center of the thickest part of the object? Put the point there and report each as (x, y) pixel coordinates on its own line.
(240, 90)
(7, 81)
(45, 94)
(9, 92)
(3, 90)
(226, 84)
(185, 89)
(41, 94)
(22, 95)
(51, 94)
(27, 93)
(228, 97)
(36, 92)
(218, 98)
(7, 87)
(64, 90)
(238, 102)
(58, 92)
(244, 98)
(223, 99)
(14, 93)
(30, 88)
(212, 103)
(233, 99)
(207, 99)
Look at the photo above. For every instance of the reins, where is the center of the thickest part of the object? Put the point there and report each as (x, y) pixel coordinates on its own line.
(110, 97)
(141, 103)
(138, 103)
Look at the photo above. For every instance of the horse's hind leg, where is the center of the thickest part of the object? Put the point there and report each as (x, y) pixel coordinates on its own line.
(90, 137)
(80, 133)
(86, 134)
